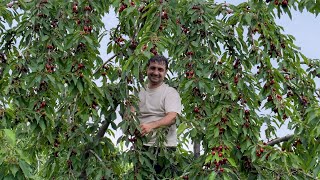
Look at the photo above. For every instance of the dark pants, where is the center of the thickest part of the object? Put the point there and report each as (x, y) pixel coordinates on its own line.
(162, 164)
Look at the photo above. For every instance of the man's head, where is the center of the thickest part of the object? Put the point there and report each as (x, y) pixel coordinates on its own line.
(159, 59)
(157, 67)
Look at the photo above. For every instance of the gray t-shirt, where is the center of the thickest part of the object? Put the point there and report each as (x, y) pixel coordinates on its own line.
(154, 104)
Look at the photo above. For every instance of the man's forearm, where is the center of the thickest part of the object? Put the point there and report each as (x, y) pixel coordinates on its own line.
(165, 121)
(168, 120)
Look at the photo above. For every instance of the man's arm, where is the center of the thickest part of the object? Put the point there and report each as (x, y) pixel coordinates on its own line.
(168, 120)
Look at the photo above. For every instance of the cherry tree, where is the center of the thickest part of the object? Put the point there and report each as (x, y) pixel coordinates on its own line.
(59, 97)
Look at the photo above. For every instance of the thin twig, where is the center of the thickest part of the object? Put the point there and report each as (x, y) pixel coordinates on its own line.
(96, 155)
(105, 63)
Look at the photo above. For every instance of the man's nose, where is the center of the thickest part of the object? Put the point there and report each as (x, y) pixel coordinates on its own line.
(156, 72)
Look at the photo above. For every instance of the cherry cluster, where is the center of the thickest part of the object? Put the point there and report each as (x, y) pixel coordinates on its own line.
(86, 22)
(283, 3)
(247, 118)
(39, 106)
(221, 159)
(190, 73)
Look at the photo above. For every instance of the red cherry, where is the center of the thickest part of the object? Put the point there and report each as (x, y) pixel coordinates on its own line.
(236, 79)
(75, 8)
(213, 153)
(43, 104)
(247, 112)
(122, 7)
(284, 3)
(272, 82)
(86, 28)
(164, 15)
(279, 97)
(49, 47)
(196, 110)
(221, 170)
(87, 8)
(220, 154)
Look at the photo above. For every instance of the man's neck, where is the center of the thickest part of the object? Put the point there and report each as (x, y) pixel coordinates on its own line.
(153, 86)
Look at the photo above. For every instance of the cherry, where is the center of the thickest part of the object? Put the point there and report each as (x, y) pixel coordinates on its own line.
(43, 104)
(236, 79)
(272, 82)
(247, 112)
(87, 8)
(50, 47)
(195, 7)
(284, 117)
(196, 110)
(144, 47)
(141, 8)
(122, 7)
(220, 154)
(189, 53)
(80, 66)
(154, 51)
(213, 153)
(75, 8)
(221, 170)
(261, 150)
(284, 3)
(133, 45)
(56, 154)
(279, 97)
(86, 28)
(164, 15)
(89, 28)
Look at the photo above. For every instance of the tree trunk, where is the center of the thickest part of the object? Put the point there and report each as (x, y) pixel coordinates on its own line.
(196, 148)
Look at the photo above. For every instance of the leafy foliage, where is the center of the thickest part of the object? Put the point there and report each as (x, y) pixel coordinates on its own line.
(229, 62)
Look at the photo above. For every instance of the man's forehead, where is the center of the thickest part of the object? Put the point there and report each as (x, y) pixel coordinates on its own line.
(156, 63)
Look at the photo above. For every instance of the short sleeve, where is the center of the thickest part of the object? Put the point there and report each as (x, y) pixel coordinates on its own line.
(172, 101)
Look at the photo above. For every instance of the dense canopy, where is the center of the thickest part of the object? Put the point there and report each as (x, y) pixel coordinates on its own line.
(59, 98)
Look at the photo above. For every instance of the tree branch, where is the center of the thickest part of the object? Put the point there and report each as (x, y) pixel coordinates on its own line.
(318, 92)
(105, 63)
(279, 140)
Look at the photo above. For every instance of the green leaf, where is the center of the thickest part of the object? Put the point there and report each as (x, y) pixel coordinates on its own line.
(181, 128)
(80, 86)
(51, 78)
(42, 125)
(212, 175)
(14, 169)
(11, 136)
(44, 38)
(25, 168)
(231, 161)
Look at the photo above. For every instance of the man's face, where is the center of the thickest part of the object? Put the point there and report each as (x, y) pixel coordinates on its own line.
(156, 72)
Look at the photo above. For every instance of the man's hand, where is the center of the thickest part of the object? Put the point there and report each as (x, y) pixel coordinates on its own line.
(165, 121)
(146, 128)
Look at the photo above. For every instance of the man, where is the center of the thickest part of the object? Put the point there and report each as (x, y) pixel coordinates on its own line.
(159, 106)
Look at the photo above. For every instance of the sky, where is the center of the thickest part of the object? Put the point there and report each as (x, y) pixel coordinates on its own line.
(303, 26)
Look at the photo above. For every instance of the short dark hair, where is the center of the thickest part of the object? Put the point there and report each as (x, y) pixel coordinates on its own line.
(158, 59)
